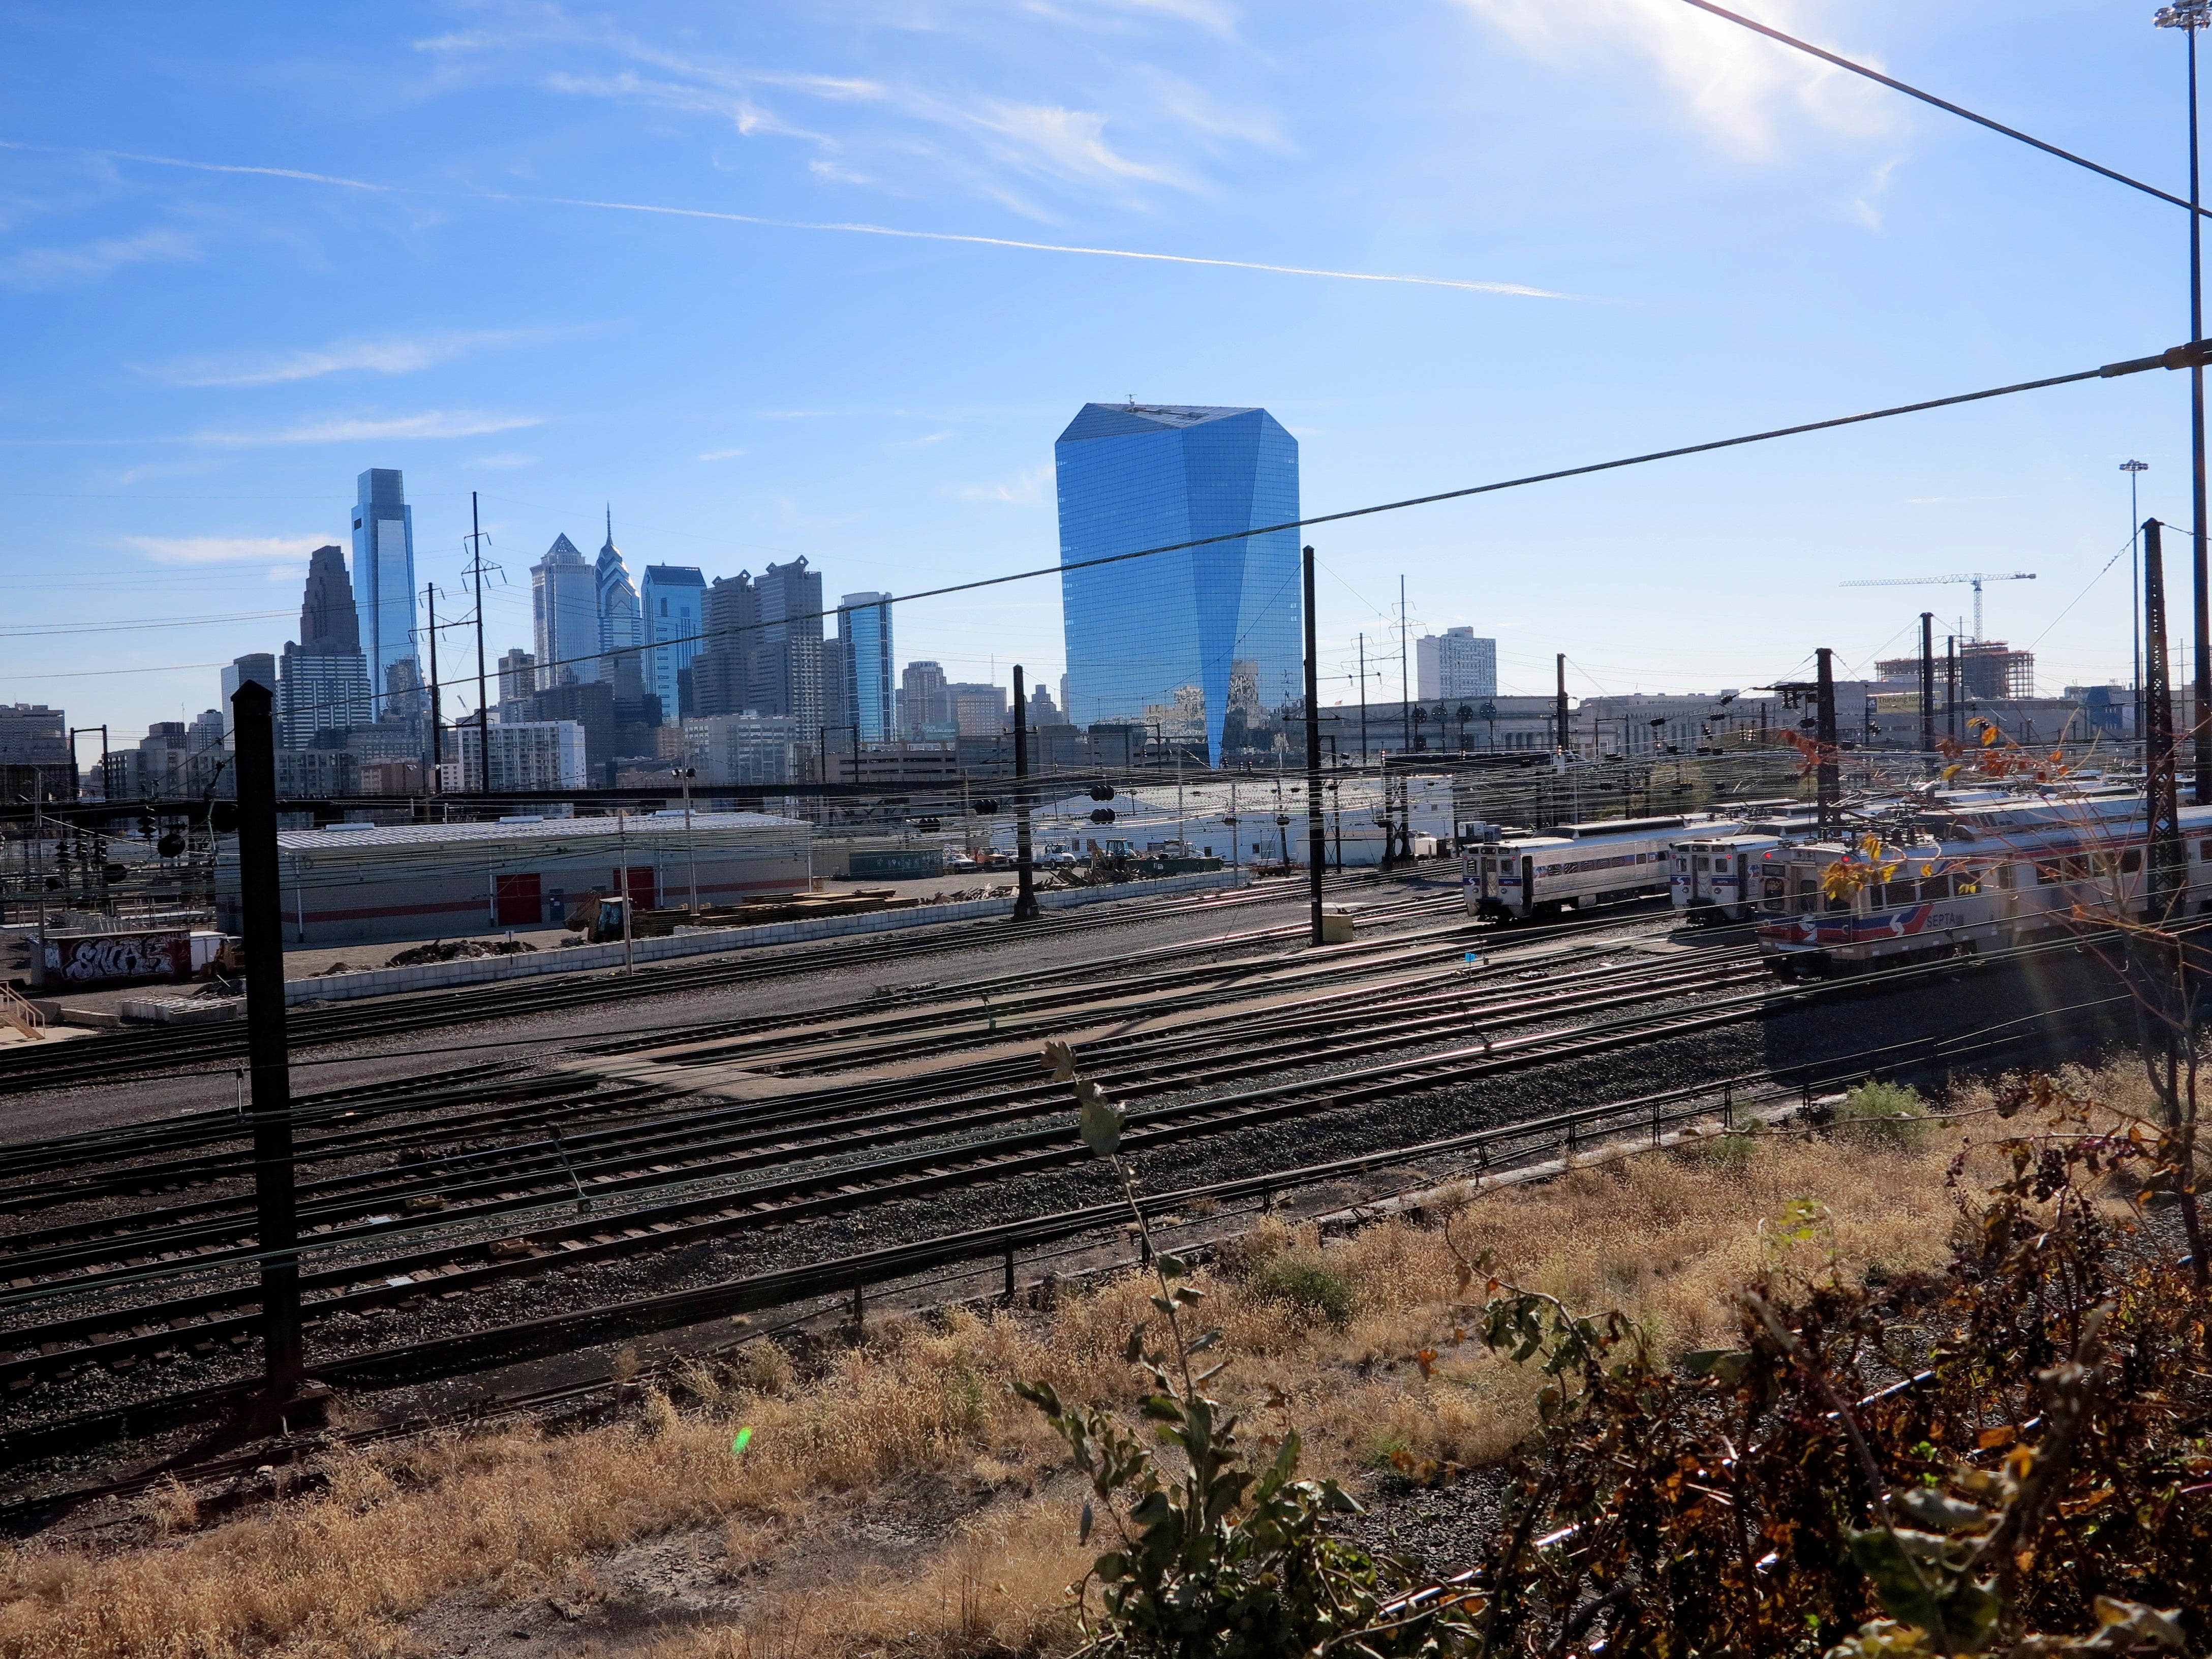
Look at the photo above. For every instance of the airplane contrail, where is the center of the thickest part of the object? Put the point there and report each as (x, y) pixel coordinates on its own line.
(1516, 289)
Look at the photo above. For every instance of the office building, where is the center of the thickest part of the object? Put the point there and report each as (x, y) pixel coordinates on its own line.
(259, 667)
(384, 591)
(978, 711)
(529, 754)
(864, 664)
(517, 675)
(1133, 476)
(622, 636)
(745, 749)
(1453, 664)
(722, 674)
(1042, 711)
(922, 700)
(564, 615)
(786, 665)
(206, 733)
(673, 598)
(589, 705)
(322, 678)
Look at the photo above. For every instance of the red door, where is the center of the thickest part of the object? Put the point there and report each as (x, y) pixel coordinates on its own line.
(643, 894)
(519, 903)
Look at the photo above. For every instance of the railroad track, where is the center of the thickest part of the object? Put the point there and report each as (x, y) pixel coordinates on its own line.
(131, 1052)
(772, 1172)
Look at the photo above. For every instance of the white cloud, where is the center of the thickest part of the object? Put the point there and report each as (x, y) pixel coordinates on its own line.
(1027, 485)
(1073, 142)
(38, 267)
(399, 354)
(227, 550)
(721, 454)
(432, 423)
(1737, 85)
(505, 457)
(922, 442)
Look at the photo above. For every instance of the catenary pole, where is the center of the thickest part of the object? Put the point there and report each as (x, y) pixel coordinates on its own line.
(437, 733)
(1830, 791)
(2162, 789)
(1317, 834)
(483, 706)
(1927, 682)
(2201, 592)
(2135, 582)
(261, 929)
(1026, 903)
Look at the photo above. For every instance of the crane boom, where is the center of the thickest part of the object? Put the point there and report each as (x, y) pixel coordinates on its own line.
(1976, 577)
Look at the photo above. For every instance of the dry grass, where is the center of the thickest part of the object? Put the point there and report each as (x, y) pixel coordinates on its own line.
(519, 1514)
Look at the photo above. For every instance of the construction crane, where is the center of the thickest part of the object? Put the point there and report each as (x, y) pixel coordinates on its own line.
(1976, 577)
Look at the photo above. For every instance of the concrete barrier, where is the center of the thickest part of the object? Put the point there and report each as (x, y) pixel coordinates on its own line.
(710, 941)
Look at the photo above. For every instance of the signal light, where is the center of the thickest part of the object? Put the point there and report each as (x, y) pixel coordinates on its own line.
(170, 845)
(1101, 792)
(984, 808)
(223, 816)
(1102, 815)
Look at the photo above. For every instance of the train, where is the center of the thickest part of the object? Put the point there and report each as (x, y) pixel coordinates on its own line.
(1578, 867)
(1962, 880)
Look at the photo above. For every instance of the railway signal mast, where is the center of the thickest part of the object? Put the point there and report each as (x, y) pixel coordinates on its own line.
(1976, 577)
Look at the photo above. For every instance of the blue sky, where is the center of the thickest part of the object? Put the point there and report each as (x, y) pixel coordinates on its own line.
(247, 251)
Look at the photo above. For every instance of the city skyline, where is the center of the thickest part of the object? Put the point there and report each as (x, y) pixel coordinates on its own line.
(199, 352)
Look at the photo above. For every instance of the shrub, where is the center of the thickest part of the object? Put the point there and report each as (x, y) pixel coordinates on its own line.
(1888, 1114)
(1303, 1283)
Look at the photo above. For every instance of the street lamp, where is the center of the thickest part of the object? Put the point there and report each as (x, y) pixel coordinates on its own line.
(2135, 581)
(2189, 16)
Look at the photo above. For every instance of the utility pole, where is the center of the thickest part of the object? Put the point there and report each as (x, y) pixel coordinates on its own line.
(1363, 699)
(1405, 674)
(1316, 838)
(1025, 904)
(2162, 791)
(690, 850)
(1560, 708)
(483, 707)
(2135, 582)
(437, 731)
(1830, 790)
(1951, 686)
(1927, 682)
(261, 906)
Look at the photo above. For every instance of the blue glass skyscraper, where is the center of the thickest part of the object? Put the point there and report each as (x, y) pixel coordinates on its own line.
(384, 586)
(1223, 619)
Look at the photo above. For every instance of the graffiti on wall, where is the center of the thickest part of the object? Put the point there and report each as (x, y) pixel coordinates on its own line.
(100, 958)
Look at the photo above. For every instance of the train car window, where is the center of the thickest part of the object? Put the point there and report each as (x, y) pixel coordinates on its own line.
(1774, 888)
(2204, 849)
(2132, 860)
(2045, 874)
(1935, 887)
(2004, 878)
(1701, 864)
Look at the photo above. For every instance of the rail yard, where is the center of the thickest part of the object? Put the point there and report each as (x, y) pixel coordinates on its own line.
(512, 1197)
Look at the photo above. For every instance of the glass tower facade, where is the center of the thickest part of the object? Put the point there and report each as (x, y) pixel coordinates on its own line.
(673, 597)
(864, 622)
(384, 586)
(1184, 635)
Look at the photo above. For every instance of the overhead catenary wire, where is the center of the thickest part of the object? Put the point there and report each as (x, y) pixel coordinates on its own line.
(2178, 357)
(1944, 104)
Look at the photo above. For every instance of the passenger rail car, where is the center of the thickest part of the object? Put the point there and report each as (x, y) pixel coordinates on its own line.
(1577, 865)
(1711, 881)
(1983, 878)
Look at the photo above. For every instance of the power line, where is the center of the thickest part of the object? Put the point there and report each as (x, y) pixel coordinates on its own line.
(2182, 356)
(1944, 104)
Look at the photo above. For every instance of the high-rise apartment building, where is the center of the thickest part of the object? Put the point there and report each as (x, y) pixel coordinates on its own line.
(1140, 632)
(673, 598)
(322, 678)
(979, 710)
(207, 731)
(564, 615)
(527, 755)
(1455, 664)
(864, 666)
(383, 591)
(745, 749)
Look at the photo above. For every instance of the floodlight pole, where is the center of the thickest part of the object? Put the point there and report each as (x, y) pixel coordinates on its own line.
(1317, 833)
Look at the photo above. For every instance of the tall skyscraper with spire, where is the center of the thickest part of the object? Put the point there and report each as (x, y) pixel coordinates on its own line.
(384, 583)
(322, 679)
(621, 632)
